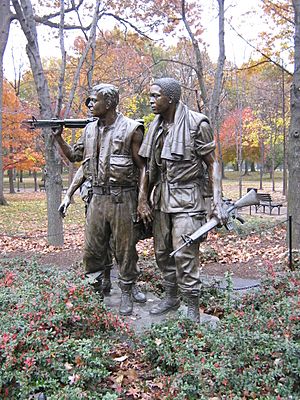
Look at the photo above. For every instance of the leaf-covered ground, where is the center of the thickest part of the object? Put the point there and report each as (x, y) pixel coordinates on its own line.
(247, 251)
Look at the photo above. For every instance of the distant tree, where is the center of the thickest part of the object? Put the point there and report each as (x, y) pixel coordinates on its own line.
(20, 145)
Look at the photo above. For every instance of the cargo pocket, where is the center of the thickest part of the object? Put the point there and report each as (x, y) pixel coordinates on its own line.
(182, 197)
(121, 167)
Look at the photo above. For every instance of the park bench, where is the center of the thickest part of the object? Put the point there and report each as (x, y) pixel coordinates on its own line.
(265, 200)
(42, 188)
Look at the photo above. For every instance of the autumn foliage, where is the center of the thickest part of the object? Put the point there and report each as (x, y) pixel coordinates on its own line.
(21, 147)
(241, 127)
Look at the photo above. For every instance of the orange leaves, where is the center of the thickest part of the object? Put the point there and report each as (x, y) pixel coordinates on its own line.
(19, 144)
(240, 125)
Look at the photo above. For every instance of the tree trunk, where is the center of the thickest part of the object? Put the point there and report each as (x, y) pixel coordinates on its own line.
(252, 167)
(262, 160)
(10, 174)
(5, 20)
(199, 63)
(273, 143)
(35, 181)
(53, 182)
(217, 89)
(284, 177)
(294, 137)
(246, 168)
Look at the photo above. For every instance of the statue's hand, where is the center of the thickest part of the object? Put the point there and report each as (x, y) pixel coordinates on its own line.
(57, 132)
(220, 211)
(144, 212)
(64, 205)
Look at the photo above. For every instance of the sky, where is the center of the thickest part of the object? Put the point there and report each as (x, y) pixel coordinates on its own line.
(237, 51)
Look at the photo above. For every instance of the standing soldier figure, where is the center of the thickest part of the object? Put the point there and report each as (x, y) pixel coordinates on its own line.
(180, 148)
(108, 149)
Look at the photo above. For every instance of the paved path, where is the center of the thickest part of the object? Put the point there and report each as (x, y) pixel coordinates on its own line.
(141, 320)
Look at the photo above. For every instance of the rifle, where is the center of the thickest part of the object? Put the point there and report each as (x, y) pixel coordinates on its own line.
(250, 199)
(56, 123)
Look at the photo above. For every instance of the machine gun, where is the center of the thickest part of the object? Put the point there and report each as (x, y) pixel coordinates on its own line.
(250, 199)
(56, 123)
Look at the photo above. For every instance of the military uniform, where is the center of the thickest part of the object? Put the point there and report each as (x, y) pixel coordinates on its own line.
(106, 157)
(178, 196)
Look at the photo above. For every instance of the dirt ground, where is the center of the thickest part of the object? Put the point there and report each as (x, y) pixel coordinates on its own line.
(249, 260)
(246, 255)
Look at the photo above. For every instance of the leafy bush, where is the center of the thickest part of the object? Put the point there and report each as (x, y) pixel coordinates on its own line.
(57, 341)
(254, 353)
(54, 334)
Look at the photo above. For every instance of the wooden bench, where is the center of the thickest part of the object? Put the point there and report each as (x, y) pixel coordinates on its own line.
(265, 200)
(42, 188)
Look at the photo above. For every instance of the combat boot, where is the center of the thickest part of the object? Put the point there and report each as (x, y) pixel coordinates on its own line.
(171, 302)
(137, 295)
(126, 305)
(192, 300)
(106, 284)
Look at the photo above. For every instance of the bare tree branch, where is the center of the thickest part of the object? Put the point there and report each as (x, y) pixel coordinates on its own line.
(126, 22)
(261, 52)
(199, 70)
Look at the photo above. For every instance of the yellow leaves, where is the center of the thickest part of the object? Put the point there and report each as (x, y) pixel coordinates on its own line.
(18, 143)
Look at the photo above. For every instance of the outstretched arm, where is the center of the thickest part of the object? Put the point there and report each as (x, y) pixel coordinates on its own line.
(76, 183)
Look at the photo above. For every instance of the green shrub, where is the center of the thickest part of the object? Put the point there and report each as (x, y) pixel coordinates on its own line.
(254, 352)
(54, 334)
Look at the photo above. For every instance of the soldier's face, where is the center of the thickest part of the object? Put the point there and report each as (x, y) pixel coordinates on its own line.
(100, 107)
(91, 102)
(159, 102)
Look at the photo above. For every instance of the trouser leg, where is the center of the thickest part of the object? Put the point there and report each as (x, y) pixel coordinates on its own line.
(162, 234)
(187, 259)
(162, 228)
(107, 271)
(124, 232)
(97, 254)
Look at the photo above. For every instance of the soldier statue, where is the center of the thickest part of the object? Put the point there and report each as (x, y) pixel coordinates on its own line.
(180, 152)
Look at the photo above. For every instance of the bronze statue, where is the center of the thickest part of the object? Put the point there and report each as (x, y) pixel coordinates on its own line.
(180, 151)
(108, 149)
(85, 186)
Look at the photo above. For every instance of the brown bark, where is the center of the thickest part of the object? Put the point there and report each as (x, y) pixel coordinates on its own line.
(53, 182)
(5, 20)
(10, 174)
(199, 63)
(294, 137)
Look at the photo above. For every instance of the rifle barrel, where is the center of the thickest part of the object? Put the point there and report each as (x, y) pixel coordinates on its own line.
(56, 123)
